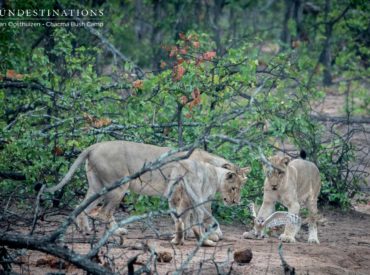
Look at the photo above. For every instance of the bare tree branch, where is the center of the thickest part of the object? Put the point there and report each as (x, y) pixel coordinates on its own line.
(15, 240)
(352, 119)
(8, 84)
(12, 175)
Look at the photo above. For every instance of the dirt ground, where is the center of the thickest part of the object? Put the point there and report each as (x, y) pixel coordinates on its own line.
(344, 249)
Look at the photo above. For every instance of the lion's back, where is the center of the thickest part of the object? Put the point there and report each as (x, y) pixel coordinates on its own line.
(307, 178)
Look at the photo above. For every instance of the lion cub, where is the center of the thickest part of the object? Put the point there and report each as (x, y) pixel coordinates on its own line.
(294, 183)
(192, 185)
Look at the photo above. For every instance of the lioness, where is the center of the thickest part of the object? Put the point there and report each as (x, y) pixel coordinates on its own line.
(293, 184)
(194, 183)
(107, 162)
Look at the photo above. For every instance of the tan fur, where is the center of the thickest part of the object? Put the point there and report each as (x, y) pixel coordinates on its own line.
(193, 184)
(108, 162)
(295, 184)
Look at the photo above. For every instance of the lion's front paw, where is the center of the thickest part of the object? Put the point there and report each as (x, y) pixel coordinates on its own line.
(208, 243)
(286, 238)
(219, 233)
(214, 237)
(175, 241)
(313, 240)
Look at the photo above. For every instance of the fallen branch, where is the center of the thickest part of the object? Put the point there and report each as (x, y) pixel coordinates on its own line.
(14, 240)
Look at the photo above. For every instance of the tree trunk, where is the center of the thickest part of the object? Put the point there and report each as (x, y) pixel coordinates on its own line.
(326, 57)
(285, 34)
(156, 33)
(298, 17)
(139, 28)
(180, 125)
(179, 23)
(217, 10)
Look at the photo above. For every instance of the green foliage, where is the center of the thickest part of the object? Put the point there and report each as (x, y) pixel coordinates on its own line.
(139, 204)
(37, 141)
(337, 185)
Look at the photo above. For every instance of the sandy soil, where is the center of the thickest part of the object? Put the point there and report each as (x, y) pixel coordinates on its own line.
(344, 249)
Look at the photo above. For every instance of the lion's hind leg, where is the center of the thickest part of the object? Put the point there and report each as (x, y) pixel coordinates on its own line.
(111, 202)
(210, 221)
(312, 221)
(198, 228)
(82, 220)
(94, 187)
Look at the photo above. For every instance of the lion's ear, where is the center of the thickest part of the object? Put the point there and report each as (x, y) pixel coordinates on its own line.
(244, 172)
(267, 166)
(285, 161)
(227, 166)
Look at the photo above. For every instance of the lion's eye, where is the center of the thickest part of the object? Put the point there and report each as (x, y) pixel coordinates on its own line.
(233, 188)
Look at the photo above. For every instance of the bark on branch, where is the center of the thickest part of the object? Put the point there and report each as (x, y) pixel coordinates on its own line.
(8, 84)
(14, 240)
(344, 119)
(12, 175)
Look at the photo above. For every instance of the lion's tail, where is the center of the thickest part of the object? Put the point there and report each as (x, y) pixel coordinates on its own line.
(80, 159)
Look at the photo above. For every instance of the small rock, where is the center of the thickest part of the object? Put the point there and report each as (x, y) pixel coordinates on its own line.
(243, 256)
(52, 262)
(164, 257)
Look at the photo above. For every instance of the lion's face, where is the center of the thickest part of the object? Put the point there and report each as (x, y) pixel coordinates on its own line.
(276, 176)
(231, 186)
